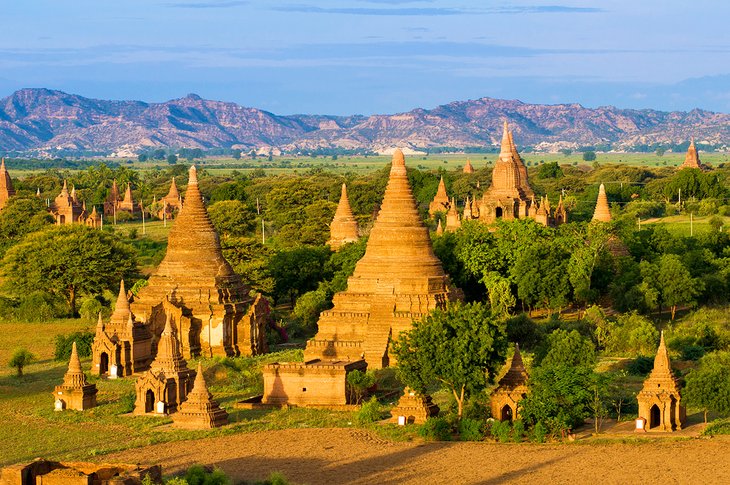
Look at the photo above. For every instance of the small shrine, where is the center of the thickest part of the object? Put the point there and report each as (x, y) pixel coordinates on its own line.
(75, 393)
(343, 228)
(602, 213)
(168, 381)
(123, 346)
(440, 202)
(660, 400)
(6, 185)
(413, 408)
(171, 203)
(468, 168)
(199, 410)
(66, 208)
(692, 158)
(510, 390)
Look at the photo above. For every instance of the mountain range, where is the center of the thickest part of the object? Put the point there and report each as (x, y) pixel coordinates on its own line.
(43, 120)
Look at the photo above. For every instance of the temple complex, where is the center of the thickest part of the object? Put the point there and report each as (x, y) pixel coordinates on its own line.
(6, 185)
(168, 381)
(510, 390)
(200, 411)
(413, 408)
(171, 203)
(123, 346)
(692, 158)
(75, 392)
(602, 212)
(468, 168)
(440, 202)
(66, 208)
(343, 228)
(660, 399)
(209, 299)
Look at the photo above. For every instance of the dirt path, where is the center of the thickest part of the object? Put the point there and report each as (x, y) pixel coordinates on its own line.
(345, 456)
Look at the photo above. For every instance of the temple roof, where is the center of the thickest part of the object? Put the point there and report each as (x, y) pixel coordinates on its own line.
(169, 358)
(128, 194)
(75, 376)
(509, 177)
(661, 379)
(173, 193)
(517, 374)
(692, 158)
(441, 191)
(343, 228)
(468, 168)
(602, 212)
(662, 364)
(121, 310)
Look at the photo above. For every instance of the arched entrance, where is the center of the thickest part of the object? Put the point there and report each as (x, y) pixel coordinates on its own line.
(506, 414)
(655, 417)
(103, 363)
(498, 212)
(149, 401)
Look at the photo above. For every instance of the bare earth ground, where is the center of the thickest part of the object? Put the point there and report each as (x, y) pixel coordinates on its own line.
(348, 456)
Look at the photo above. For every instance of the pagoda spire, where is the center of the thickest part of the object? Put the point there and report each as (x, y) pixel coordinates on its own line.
(506, 146)
(602, 212)
(6, 185)
(468, 168)
(692, 158)
(100, 325)
(662, 364)
(343, 228)
(441, 191)
(439, 228)
(75, 376)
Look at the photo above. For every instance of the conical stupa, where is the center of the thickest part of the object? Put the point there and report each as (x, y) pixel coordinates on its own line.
(440, 202)
(692, 158)
(196, 278)
(602, 212)
(343, 228)
(200, 411)
(660, 399)
(413, 408)
(75, 392)
(439, 228)
(6, 185)
(468, 168)
(510, 390)
(399, 279)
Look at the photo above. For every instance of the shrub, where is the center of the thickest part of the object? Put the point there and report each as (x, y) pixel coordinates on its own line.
(197, 475)
(307, 309)
(358, 383)
(524, 331)
(40, 306)
(641, 366)
(370, 412)
(539, 432)
(90, 308)
(501, 431)
(470, 430)
(276, 478)
(436, 429)
(718, 427)
(692, 352)
(21, 358)
(63, 344)
(518, 431)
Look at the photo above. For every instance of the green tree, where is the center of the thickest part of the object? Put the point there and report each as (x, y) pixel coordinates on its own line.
(563, 347)
(67, 261)
(21, 216)
(172, 159)
(501, 298)
(296, 271)
(708, 386)
(461, 347)
(232, 218)
(676, 285)
(589, 156)
(550, 171)
(20, 359)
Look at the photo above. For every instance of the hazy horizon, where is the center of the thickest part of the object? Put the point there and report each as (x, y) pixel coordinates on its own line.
(373, 56)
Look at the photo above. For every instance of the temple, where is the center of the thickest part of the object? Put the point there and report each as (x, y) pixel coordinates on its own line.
(468, 168)
(6, 185)
(75, 392)
(440, 202)
(602, 212)
(94, 219)
(343, 228)
(168, 381)
(112, 201)
(171, 203)
(660, 399)
(127, 204)
(413, 408)
(692, 158)
(209, 299)
(510, 390)
(123, 346)
(66, 208)
(398, 280)
(200, 411)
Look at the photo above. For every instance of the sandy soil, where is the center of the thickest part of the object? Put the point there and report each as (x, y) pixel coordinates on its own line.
(346, 456)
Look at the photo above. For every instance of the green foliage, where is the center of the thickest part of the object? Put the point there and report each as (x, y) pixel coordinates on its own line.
(307, 309)
(126, 403)
(197, 475)
(21, 216)
(461, 347)
(358, 383)
(631, 334)
(718, 427)
(589, 156)
(275, 478)
(67, 261)
(39, 306)
(296, 271)
(90, 308)
(566, 348)
(63, 344)
(250, 259)
(539, 432)
(370, 412)
(518, 431)
(708, 386)
(640, 366)
(20, 359)
(501, 431)
(501, 298)
(232, 218)
(436, 429)
(470, 429)
(524, 331)
(549, 170)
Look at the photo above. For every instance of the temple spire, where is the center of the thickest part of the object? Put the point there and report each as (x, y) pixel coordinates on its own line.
(343, 228)
(506, 146)
(468, 168)
(692, 158)
(441, 191)
(661, 361)
(602, 212)
(74, 365)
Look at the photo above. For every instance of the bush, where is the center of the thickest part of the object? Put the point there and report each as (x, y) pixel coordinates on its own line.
(63, 344)
(518, 431)
(524, 331)
(692, 352)
(307, 309)
(436, 429)
(197, 475)
(357, 384)
(40, 306)
(501, 431)
(126, 403)
(470, 430)
(539, 432)
(370, 412)
(641, 366)
(717, 427)
(90, 308)
(21, 358)
(276, 478)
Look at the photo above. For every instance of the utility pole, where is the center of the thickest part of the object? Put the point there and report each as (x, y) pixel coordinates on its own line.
(263, 232)
(144, 228)
(691, 226)
(640, 223)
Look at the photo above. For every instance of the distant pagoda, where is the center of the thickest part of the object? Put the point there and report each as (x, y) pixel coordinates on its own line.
(440, 202)
(602, 212)
(343, 228)
(468, 168)
(692, 158)
(195, 278)
(6, 185)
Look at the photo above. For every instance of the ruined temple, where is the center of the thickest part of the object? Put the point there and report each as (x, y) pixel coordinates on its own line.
(398, 280)
(94, 219)
(440, 202)
(123, 346)
(66, 208)
(343, 228)
(168, 381)
(510, 390)
(200, 411)
(660, 399)
(413, 408)
(210, 300)
(171, 203)
(468, 168)
(602, 212)
(692, 158)
(6, 185)
(75, 393)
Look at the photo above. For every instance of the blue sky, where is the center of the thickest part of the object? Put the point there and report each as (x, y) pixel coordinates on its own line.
(373, 56)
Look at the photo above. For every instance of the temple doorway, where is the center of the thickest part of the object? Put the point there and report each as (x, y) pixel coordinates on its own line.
(655, 417)
(498, 212)
(506, 413)
(149, 401)
(103, 363)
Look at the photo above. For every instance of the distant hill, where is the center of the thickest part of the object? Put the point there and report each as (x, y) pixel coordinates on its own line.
(46, 120)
